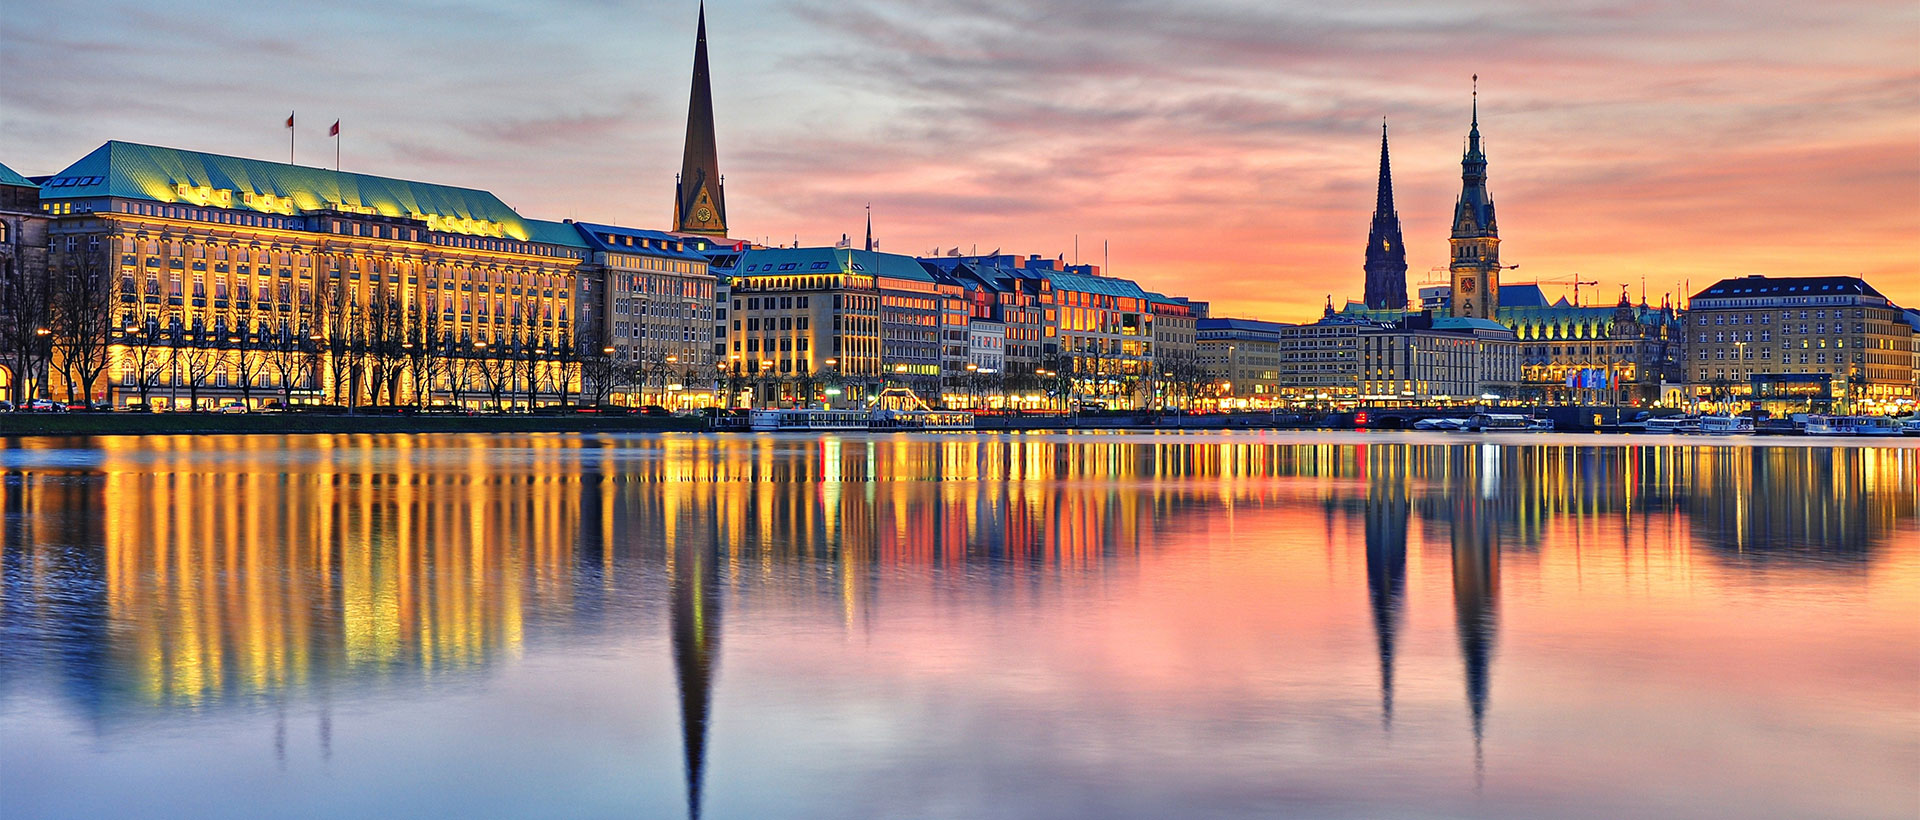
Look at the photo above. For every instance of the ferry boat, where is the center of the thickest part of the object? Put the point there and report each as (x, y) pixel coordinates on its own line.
(1506, 423)
(1673, 424)
(1910, 426)
(920, 420)
(806, 420)
(1439, 424)
(1853, 426)
(1725, 425)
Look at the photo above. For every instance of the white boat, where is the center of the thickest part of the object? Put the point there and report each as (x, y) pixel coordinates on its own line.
(1852, 426)
(804, 420)
(1503, 423)
(1673, 424)
(1438, 424)
(1540, 425)
(1725, 425)
(920, 420)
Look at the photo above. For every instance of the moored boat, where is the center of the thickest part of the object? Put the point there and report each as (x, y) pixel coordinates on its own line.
(1725, 425)
(1673, 424)
(801, 420)
(1853, 426)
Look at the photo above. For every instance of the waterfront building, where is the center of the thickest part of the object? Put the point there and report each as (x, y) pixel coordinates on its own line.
(700, 201)
(646, 304)
(1794, 342)
(26, 301)
(245, 280)
(1386, 257)
(1006, 290)
(1475, 263)
(1397, 356)
(1428, 359)
(1575, 353)
(801, 318)
(1241, 358)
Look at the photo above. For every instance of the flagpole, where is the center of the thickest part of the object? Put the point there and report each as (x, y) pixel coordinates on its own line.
(290, 136)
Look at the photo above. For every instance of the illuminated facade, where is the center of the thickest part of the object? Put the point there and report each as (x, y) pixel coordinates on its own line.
(1755, 330)
(647, 303)
(1243, 355)
(245, 281)
(803, 320)
(1414, 357)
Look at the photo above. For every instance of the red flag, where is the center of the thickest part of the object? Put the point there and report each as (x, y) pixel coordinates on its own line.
(289, 120)
(335, 130)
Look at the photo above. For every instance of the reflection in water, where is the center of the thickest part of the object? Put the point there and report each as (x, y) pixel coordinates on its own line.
(177, 576)
(1387, 511)
(696, 651)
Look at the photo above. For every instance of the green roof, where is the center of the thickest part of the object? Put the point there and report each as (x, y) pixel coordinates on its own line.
(132, 171)
(775, 262)
(1104, 285)
(8, 177)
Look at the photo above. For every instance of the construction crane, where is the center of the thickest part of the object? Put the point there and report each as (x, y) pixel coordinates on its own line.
(1572, 279)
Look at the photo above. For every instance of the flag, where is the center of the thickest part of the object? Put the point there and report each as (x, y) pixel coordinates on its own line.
(289, 120)
(335, 130)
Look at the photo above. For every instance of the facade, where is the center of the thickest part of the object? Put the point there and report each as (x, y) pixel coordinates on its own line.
(1386, 258)
(1320, 361)
(700, 201)
(1576, 353)
(1427, 360)
(26, 300)
(647, 304)
(1834, 337)
(239, 280)
(1243, 359)
(804, 318)
(1475, 263)
(1104, 329)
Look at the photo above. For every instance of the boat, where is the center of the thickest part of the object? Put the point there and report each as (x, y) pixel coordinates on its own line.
(1438, 424)
(1853, 426)
(1910, 426)
(805, 420)
(1539, 425)
(1504, 423)
(1725, 425)
(920, 420)
(1673, 424)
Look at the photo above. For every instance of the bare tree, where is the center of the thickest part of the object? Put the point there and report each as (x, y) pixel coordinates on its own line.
(426, 349)
(194, 359)
(145, 357)
(81, 320)
(25, 307)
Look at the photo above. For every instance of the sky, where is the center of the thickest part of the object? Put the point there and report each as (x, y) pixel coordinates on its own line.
(1224, 150)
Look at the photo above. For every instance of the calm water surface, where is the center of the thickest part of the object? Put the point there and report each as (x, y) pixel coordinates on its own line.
(1129, 626)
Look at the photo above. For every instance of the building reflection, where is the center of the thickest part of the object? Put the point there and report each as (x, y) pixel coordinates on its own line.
(184, 574)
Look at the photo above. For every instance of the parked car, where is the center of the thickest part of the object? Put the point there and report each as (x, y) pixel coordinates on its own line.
(137, 407)
(6, 406)
(272, 406)
(45, 406)
(233, 407)
(655, 411)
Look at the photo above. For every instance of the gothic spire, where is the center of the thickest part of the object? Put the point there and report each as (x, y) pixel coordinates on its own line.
(700, 205)
(1383, 199)
(1386, 263)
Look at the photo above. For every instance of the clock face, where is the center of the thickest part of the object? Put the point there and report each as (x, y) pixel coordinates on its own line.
(704, 214)
(1466, 286)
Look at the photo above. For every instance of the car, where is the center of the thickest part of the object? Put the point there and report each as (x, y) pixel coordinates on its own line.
(137, 407)
(655, 411)
(272, 406)
(45, 406)
(233, 407)
(6, 406)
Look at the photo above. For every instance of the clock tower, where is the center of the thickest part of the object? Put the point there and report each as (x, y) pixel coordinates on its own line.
(1475, 264)
(699, 204)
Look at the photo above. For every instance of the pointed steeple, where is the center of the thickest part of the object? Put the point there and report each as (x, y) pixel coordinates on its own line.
(700, 206)
(1386, 260)
(869, 227)
(1476, 235)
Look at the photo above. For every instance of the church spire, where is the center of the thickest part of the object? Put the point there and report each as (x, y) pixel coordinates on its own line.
(1386, 260)
(699, 205)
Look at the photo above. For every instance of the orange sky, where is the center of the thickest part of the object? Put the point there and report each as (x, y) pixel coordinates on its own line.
(1225, 149)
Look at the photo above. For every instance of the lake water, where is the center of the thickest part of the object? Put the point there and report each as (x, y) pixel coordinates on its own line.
(957, 626)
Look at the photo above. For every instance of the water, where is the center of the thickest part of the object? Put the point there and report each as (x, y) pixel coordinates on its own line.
(1206, 625)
